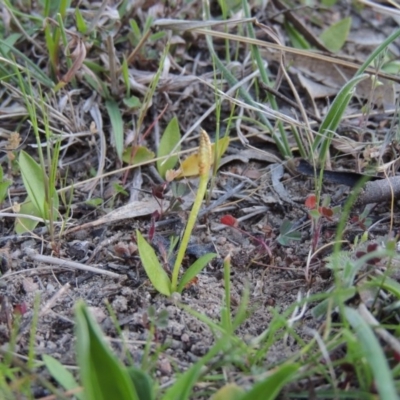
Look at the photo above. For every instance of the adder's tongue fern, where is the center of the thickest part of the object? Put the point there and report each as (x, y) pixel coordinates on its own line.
(205, 162)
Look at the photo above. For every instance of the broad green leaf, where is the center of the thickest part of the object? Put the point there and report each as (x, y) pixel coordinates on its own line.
(336, 35)
(373, 353)
(33, 178)
(270, 388)
(392, 67)
(190, 166)
(23, 225)
(169, 139)
(230, 391)
(61, 374)
(136, 33)
(142, 382)
(142, 155)
(117, 126)
(195, 269)
(286, 235)
(286, 227)
(95, 202)
(3, 190)
(154, 270)
(103, 376)
(132, 102)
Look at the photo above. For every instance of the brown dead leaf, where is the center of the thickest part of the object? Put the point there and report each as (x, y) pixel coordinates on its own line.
(347, 145)
(334, 76)
(78, 55)
(314, 89)
(251, 154)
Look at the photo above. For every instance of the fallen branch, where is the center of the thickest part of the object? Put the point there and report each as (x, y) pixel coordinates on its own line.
(377, 190)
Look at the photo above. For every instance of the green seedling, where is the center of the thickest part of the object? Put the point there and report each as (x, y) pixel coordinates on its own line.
(117, 125)
(287, 233)
(154, 270)
(62, 376)
(336, 35)
(168, 143)
(4, 184)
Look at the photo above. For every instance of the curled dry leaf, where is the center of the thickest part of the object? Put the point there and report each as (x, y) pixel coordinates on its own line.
(78, 55)
(172, 174)
(347, 145)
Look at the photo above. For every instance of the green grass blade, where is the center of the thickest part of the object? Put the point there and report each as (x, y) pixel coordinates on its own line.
(386, 283)
(34, 70)
(270, 387)
(195, 269)
(61, 374)
(184, 384)
(374, 355)
(282, 138)
(334, 116)
(117, 126)
(334, 300)
(382, 47)
(103, 376)
(154, 270)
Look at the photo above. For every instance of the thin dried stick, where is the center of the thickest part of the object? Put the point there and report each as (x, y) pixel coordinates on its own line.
(69, 264)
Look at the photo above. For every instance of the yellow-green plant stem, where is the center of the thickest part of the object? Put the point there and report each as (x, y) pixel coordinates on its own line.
(201, 191)
(204, 168)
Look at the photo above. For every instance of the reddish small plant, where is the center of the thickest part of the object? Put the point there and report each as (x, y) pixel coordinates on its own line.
(316, 212)
(231, 221)
(370, 248)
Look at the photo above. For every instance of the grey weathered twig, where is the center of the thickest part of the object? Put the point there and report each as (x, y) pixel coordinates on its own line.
(68, 264)
(379, 191)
